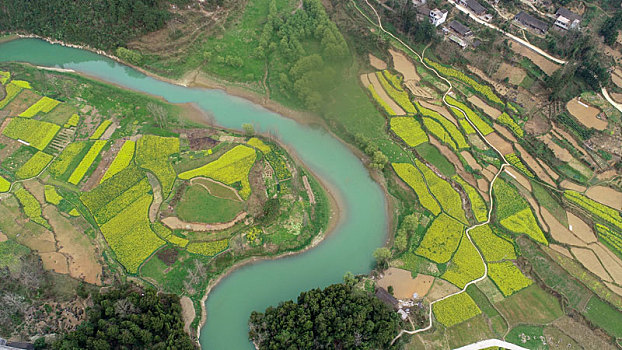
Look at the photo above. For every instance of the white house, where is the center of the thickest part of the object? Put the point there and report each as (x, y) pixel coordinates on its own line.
(438, 17)
(567, 19)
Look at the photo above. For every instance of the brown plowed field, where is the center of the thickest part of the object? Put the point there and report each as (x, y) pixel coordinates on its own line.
(586, 114)
(605, 195)
(588, 259)
(373, 79)
(404, 286)
(377, 63)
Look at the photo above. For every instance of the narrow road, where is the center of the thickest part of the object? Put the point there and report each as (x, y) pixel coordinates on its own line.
(610, 100)
(501, 169)
(490, 343)
(511, 36)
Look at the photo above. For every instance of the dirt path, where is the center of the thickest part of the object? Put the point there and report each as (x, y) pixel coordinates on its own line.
(233, 190)
(491, 185)
(176, 223)
(310, 193)
(157, 197)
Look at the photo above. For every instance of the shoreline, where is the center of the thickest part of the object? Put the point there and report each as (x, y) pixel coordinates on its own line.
(306, 118)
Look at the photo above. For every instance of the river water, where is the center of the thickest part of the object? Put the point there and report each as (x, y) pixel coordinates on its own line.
(363, 223)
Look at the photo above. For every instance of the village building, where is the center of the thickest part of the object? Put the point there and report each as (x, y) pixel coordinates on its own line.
(438, 17)
(531, 23)
(474, 7)
(460, 29)
(567, 19)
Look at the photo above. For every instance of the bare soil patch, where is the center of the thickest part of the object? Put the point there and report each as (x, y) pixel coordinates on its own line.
(537, 123)
(500, 88)
(515, 75)
(536, 209)
(3, 237)
(441, 288)
(612, 263)
(531, 162)
(605, 195)
(187, 312)
(419, 90)
(482, 185)
(106, 159)
(499, 143)
(377, 62)
(566, 136)
(36, 189)
(559, 232)
(561, 153)
(404, 286)
(588, 259)
(54, 261)
(491, 111)
(616, 96)
(548, 169)
(572, 186)
(547, 66)
(373, 79)
(586, 114)
(470, 160)
(561, 250)
(154, 208)
(617, 78)
(489, 172)
(504, 132)
(404, 66)
(580, 228)
(365, 80)
(80, 252)
(440, 109)
(607, 174)
(582, 334)
(22, 101)
(614, 288)
(175, 223)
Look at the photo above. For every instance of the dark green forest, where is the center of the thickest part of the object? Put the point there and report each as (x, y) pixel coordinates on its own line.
(102, 24)
(338, 317)
(130, 318)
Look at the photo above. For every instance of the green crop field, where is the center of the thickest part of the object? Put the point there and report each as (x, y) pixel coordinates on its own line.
(198, 205)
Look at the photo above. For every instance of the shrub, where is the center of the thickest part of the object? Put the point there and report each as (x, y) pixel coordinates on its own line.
(45, 105)
(208, 248)
(35, 132)
(409, 130)
(121, 161)
(493, 247)
(34, 165)
(86, 162)
(130, 56)
(455, 309)
(152, 153)
(277, 162)
(441, 239)
(411, 175)
(100, 130)
(505, 119)
(475, 118)
(478, 206)
(233, 166)
(4, 77)
(51, 196)
(507, 277)
(465, 266)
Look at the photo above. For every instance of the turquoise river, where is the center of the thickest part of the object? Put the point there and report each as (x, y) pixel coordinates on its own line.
(363, 222)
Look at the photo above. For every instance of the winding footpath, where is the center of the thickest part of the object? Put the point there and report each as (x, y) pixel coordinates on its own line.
(501, 169)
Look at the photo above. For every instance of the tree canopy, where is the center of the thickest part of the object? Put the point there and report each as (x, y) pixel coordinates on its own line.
(338, 317)
(128, 317)
(102, 24)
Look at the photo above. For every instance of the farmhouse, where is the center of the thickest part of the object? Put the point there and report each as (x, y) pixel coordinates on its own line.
(438, 17)
(460, 29)
(474, 6)
(531, 22)
(567, 19)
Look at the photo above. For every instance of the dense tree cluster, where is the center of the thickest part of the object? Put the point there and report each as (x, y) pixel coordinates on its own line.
(609, 29)
(103, 24)
(127, 317)
(338, 317)
(406, 20)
